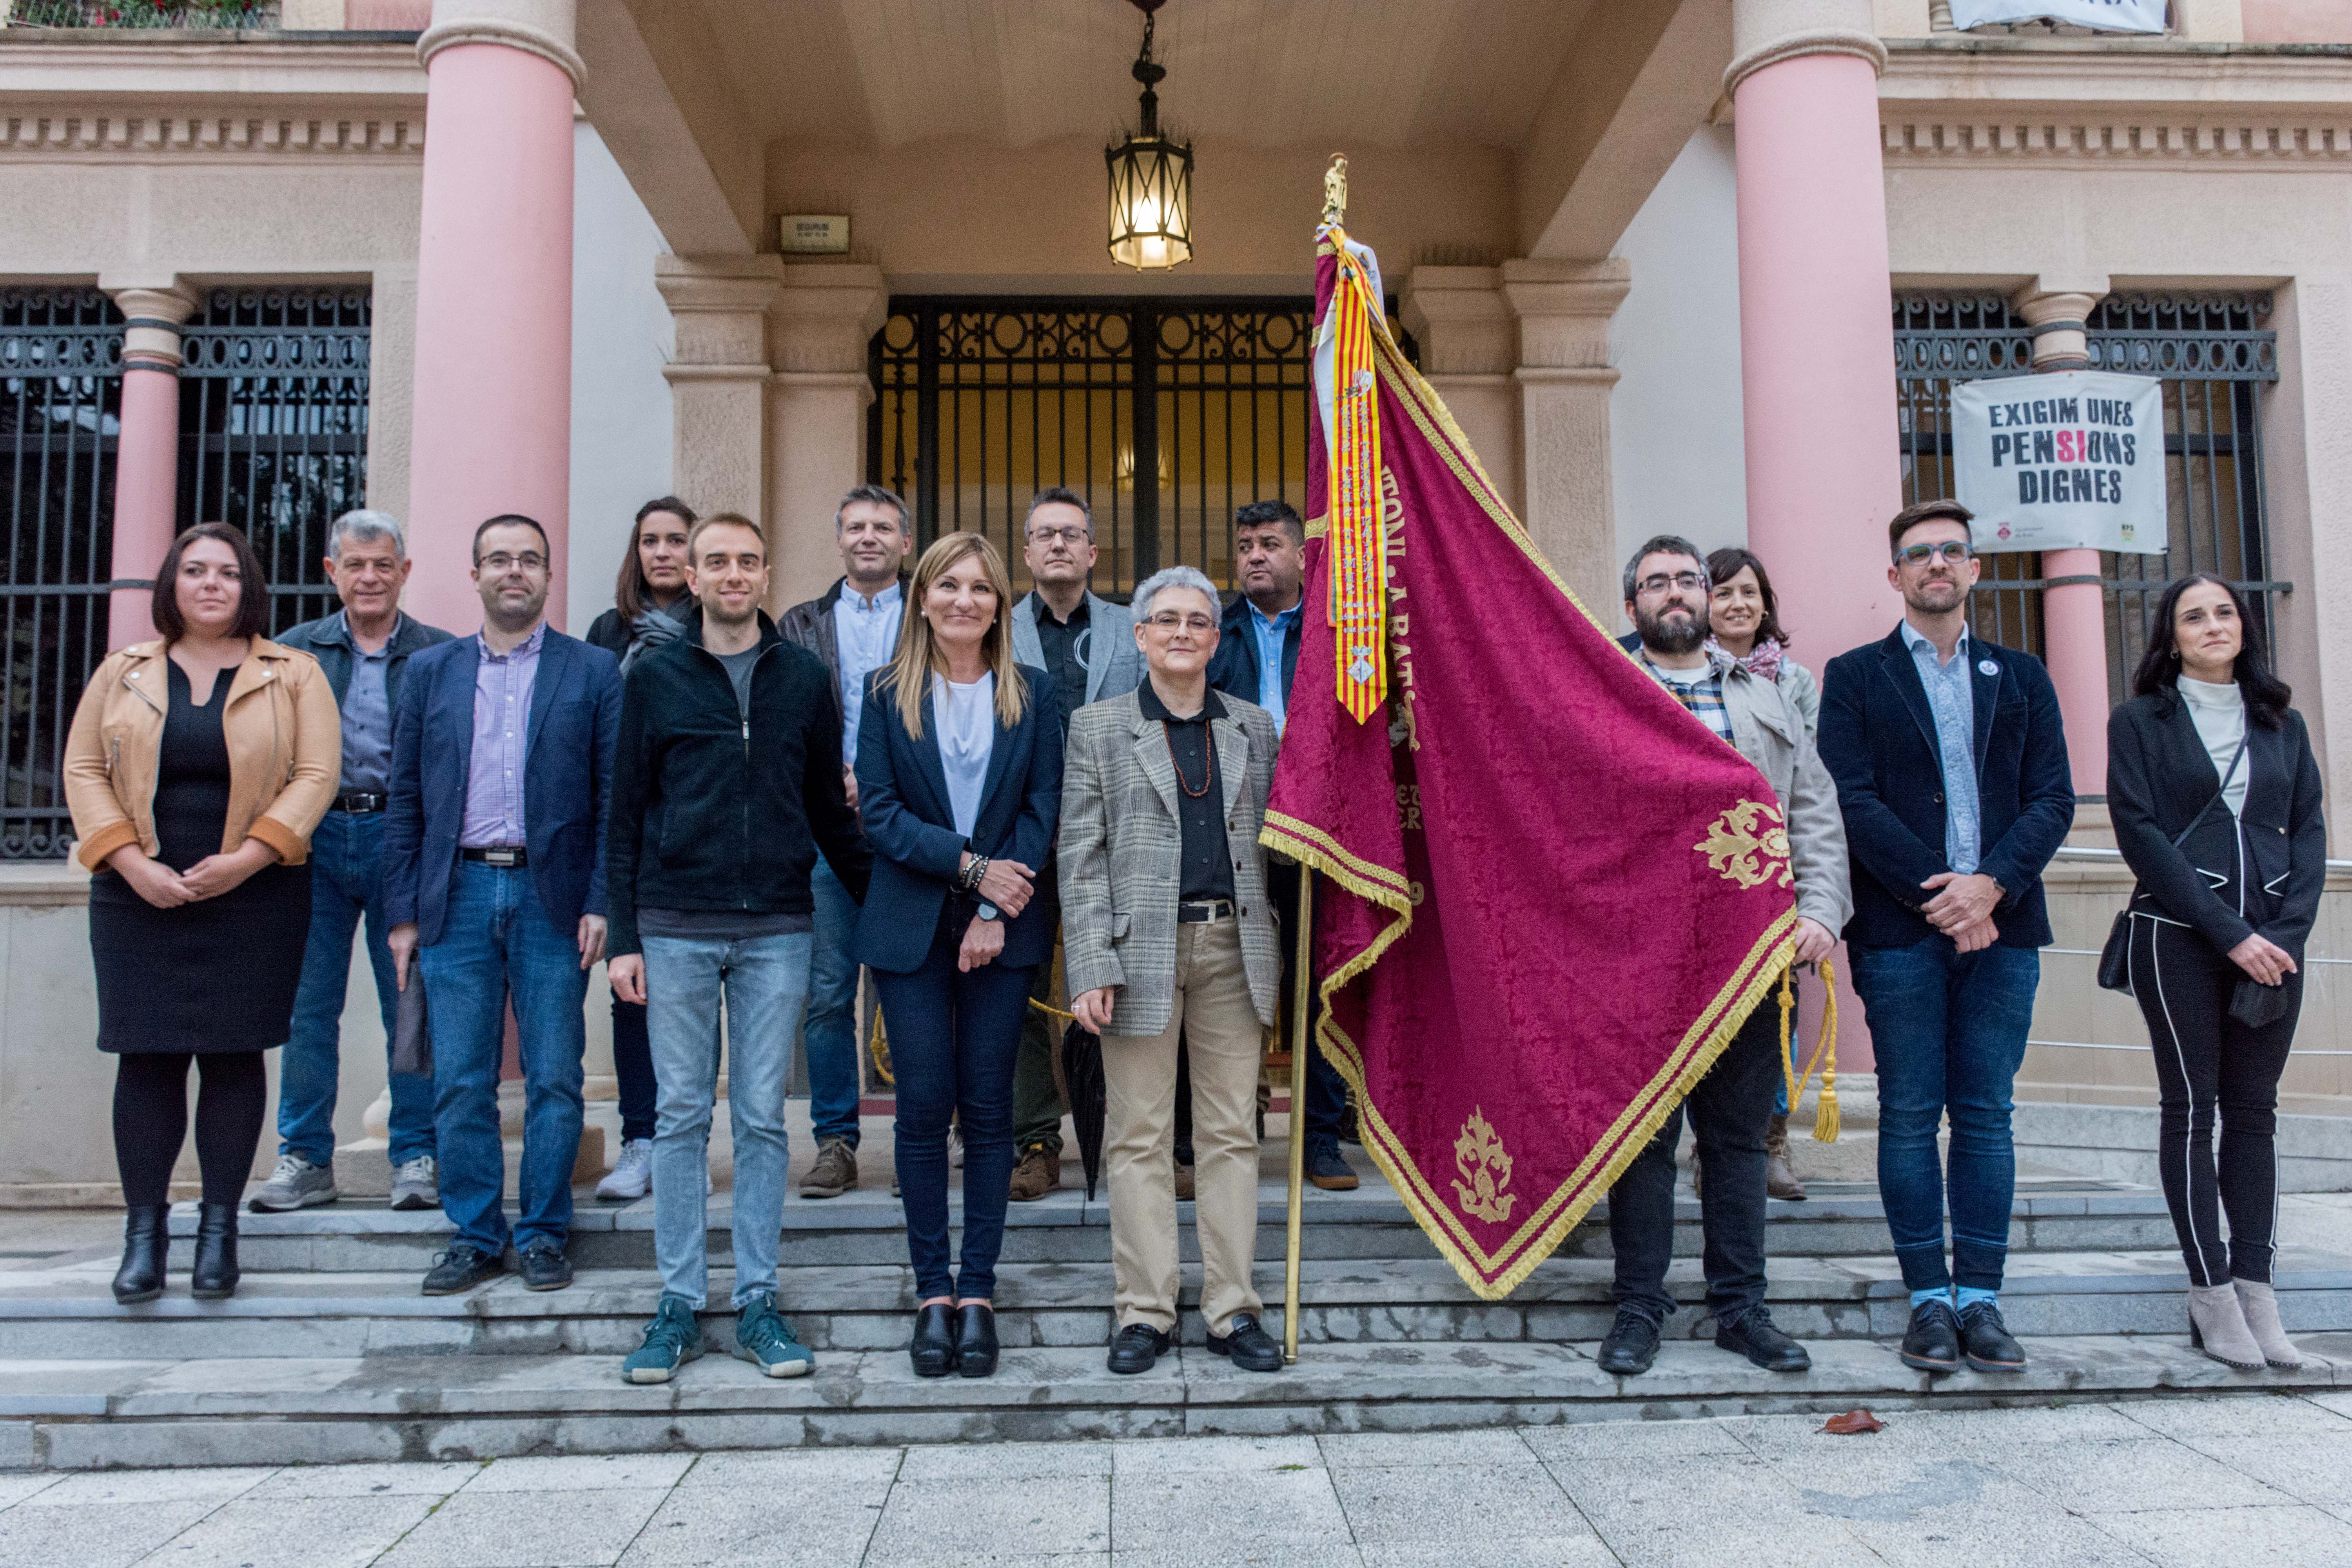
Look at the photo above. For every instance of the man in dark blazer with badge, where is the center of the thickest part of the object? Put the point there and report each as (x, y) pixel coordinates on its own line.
(1952, 770)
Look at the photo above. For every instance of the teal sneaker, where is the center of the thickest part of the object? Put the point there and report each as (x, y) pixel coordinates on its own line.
(672, 1339)
(766, 1341)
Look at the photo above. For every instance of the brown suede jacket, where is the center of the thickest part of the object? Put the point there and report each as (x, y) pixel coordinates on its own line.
(285, 752)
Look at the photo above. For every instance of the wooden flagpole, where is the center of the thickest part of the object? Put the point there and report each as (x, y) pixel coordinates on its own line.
(1301, 1042)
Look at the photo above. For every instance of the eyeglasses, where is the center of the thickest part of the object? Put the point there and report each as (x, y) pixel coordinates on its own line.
(1071, 535)
(530, 561)
(1951, 552)
(1169, 620)
(1660, 582)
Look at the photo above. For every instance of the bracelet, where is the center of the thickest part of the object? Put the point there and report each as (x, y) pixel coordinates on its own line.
(973, 873)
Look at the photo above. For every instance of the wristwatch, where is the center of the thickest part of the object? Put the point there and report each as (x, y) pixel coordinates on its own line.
(989, 912)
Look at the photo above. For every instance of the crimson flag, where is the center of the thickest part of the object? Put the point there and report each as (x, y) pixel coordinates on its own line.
(1552, 894)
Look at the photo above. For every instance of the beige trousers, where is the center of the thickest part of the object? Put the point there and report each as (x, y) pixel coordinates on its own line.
(1220, 1025)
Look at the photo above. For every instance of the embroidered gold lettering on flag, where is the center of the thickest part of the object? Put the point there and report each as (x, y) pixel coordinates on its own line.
(1358, 544)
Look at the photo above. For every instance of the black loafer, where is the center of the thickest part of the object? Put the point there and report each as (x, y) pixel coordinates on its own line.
(1932, 1343)
(1631, 1345)
(933, 1348)
(1988, 1341)
(1754, 1335)
(461, 1269)
(975, 1331)
(544, 1267)
(1250, 1347)
(1136, 1348)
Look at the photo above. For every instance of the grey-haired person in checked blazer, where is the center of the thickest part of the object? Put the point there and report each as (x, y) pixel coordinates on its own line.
(1166, 927)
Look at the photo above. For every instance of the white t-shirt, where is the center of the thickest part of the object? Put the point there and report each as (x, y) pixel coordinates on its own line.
(2220, 714)
(966, 718)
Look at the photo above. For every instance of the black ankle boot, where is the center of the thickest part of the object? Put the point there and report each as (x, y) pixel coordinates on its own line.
(213, 1276)
(976, 1339)
(933, 1347)
(146, 1238)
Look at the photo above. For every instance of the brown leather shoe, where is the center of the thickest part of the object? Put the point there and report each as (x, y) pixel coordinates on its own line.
(1183, 1183)
(1039, 1172)
(1779, 1176)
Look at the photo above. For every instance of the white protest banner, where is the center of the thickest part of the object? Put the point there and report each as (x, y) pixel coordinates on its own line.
(2108, 16)
(2069, 461)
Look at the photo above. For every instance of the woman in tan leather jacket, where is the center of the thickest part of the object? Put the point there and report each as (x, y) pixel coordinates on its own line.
(197, 768)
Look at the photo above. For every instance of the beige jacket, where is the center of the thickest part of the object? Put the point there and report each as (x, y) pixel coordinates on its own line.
(1121, 851)
(285, 752)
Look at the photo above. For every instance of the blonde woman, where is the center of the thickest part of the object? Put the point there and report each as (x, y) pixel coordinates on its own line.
(959, 783)
(198, 766)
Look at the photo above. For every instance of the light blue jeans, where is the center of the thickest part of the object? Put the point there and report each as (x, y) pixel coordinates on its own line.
(763, 983)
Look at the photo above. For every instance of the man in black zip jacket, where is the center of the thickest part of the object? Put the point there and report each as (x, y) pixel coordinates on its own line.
(726, 783)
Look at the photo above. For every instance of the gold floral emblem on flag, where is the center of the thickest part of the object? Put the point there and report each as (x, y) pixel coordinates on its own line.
(1742, 852)
(1486, 1172)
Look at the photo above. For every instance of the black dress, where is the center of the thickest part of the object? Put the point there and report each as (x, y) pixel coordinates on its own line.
(214, 976)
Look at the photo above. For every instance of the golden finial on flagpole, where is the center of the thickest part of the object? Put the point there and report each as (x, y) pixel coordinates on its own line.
(1335, 190)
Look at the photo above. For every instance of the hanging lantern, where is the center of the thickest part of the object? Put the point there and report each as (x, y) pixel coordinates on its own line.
(1151, 179)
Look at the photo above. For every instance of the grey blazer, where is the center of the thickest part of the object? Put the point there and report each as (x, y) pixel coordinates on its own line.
(1114, 666)
(1768, 729)
(1121, 852)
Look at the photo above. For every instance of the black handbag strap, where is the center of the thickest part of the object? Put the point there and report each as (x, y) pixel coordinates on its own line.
(2235, 758)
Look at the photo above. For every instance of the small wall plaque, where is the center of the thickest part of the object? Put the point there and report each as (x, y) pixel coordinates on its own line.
(813, 233)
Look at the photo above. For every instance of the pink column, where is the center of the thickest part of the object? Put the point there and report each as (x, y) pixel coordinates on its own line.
(1817, 343)
(493, 388)
(2073, 613)
(146, 451)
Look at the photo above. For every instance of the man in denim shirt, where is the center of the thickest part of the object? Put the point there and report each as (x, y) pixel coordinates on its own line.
(1951, 772)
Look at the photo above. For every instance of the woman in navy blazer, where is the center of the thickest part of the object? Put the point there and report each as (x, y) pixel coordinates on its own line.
(960, 785)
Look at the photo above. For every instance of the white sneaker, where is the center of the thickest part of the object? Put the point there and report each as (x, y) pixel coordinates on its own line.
(632, 1177)
(955, 1148)
(295, 1183)
(417, 1184)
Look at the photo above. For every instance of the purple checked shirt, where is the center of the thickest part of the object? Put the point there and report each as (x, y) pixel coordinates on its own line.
(502, 685)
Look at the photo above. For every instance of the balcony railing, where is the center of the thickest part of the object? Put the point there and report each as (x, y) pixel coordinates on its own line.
(209, 14)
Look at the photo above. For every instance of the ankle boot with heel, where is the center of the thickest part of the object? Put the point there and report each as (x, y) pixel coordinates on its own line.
(146, 1243)
(213, 1276)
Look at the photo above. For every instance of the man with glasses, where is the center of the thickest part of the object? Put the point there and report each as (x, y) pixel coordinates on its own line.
(1173, 778)
(1951, 771)
(1667, 596)
(1086, 645)
(494, 882)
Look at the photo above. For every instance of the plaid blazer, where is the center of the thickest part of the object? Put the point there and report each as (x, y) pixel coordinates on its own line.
(1121, 853)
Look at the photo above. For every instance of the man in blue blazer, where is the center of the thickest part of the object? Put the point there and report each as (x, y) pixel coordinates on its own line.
(1951, 772)
(494, 882)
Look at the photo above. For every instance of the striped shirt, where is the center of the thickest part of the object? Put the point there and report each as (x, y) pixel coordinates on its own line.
(1700, 690)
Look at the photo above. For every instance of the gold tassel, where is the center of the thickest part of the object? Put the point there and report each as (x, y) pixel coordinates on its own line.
(1788, 1010)
(1826, 1123)
(877, 1046)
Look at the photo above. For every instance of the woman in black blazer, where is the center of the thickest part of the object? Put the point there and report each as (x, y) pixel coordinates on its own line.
(2215, 796)
(960, 787)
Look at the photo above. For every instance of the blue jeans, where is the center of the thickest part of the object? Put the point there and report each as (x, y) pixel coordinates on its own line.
(495, 939)
(1949, 1032)
(830, 1032)
(953, 1040)
(346, 882)
(763, 983)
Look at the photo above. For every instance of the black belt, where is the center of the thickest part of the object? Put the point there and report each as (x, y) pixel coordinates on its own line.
(496, 855)
(1201, 913)
(358, 801)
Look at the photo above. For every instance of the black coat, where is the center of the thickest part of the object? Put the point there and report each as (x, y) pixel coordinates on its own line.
(1878, 737)
(2261, 870)
(712, 811)
(902, 794)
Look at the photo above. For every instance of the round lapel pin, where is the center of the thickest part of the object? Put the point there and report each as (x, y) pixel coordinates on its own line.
(1986, 667)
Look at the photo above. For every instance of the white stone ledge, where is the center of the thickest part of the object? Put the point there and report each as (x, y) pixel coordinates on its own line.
(186, 66)
(2212, 79)
(44, 884)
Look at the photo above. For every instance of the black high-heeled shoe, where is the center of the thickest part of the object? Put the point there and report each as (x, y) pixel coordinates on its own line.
(976, 1339)
(213, 1275)
(146, 1238)
(933, 1348)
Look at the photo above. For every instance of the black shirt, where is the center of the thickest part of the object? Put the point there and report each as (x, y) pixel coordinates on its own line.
(1208, 859)
(1066, 645)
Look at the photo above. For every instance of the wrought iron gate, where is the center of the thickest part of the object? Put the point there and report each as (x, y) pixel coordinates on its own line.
(981, 403)
(60, 393)
(2211, 352)
(273, 429)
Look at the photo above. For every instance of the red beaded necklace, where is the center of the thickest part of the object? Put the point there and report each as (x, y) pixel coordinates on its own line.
(1207, 778)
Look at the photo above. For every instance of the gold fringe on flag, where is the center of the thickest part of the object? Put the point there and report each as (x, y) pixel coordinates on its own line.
(1358, 542)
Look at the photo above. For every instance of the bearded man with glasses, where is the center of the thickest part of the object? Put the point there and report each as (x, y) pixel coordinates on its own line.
(1951, 771)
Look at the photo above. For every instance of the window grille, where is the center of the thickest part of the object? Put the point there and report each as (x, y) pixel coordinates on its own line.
(2213, 354)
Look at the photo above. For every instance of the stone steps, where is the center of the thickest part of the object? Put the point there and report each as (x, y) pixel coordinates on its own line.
(866, 1228)
(277, 1410)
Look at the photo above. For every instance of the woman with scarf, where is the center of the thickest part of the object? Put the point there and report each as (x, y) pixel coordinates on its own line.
(1745, 617)
(651, 606)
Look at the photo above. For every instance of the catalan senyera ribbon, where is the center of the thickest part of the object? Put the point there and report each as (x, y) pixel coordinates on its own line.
(1359, 607)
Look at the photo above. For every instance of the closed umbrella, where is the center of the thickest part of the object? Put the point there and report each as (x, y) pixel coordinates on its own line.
(1088, 1098)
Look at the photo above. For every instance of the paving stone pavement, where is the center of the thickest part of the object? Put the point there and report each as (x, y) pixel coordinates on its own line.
(2250, 1478)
